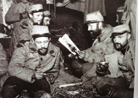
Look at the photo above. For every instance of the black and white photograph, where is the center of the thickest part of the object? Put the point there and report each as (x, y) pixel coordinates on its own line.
(68, 49)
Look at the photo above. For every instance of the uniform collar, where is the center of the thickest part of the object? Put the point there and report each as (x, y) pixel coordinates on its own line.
(50, 49)
(30, 21)
(131, 42)
(125, 49)
(105, 32)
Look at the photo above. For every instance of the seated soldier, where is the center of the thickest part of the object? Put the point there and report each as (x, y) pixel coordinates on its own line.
(122, 86)
(31, 64)
(35, 66)
(35, 16)
(17, 13)
(101, 46)
(124, 43)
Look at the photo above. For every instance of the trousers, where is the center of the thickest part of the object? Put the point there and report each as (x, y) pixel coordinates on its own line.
(13, 87)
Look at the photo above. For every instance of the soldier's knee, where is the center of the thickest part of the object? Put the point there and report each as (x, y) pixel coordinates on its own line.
(9, 91)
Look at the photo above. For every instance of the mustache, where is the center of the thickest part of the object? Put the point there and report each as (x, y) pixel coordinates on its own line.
(95, 33)
(42, 49)
(118, 44)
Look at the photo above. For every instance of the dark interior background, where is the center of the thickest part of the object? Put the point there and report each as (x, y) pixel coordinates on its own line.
(68, 18)
(64, 20)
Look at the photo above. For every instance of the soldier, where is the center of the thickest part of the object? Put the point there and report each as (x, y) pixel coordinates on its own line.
(124, 43)
(17, 12)
(35, 18)
(101, 46)
(31, 63)
(35, 66)
(122, 86)
(21, 31)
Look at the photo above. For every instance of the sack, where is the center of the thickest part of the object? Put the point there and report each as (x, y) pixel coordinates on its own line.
(104, 85)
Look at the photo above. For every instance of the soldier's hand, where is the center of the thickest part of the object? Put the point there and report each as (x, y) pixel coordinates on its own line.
(102, 69)
(122, 67)
(38, 69)
(50, 78)
(72, 56)
(79, 54)
(38, 75)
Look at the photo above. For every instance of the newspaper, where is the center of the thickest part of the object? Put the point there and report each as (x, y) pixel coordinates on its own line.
(69, 44)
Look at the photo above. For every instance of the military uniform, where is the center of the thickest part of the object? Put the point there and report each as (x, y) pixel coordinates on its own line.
(3, 66)
(13, 17)
(101, 46)
(31, 69)
(128, 58)
(23, 66)
(128, 61)
(30, 60)
(25, 30)
(125, 45)
(102, 49)
(21, 26)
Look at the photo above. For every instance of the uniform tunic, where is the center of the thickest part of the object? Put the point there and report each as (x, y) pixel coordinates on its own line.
(102, 50)
(13, 17)
(129, 62)
(3, 66)
(26, 59)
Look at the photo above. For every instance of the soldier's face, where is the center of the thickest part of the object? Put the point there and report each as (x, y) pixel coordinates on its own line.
(94, 29)
(37, 17)
(120, 41)
(42, 44)
(46, 21)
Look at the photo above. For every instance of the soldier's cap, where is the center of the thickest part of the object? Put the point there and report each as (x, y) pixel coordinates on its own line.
(47, 13)
(40, 31)
(94, 17)
(36, 8)
(120, 29)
